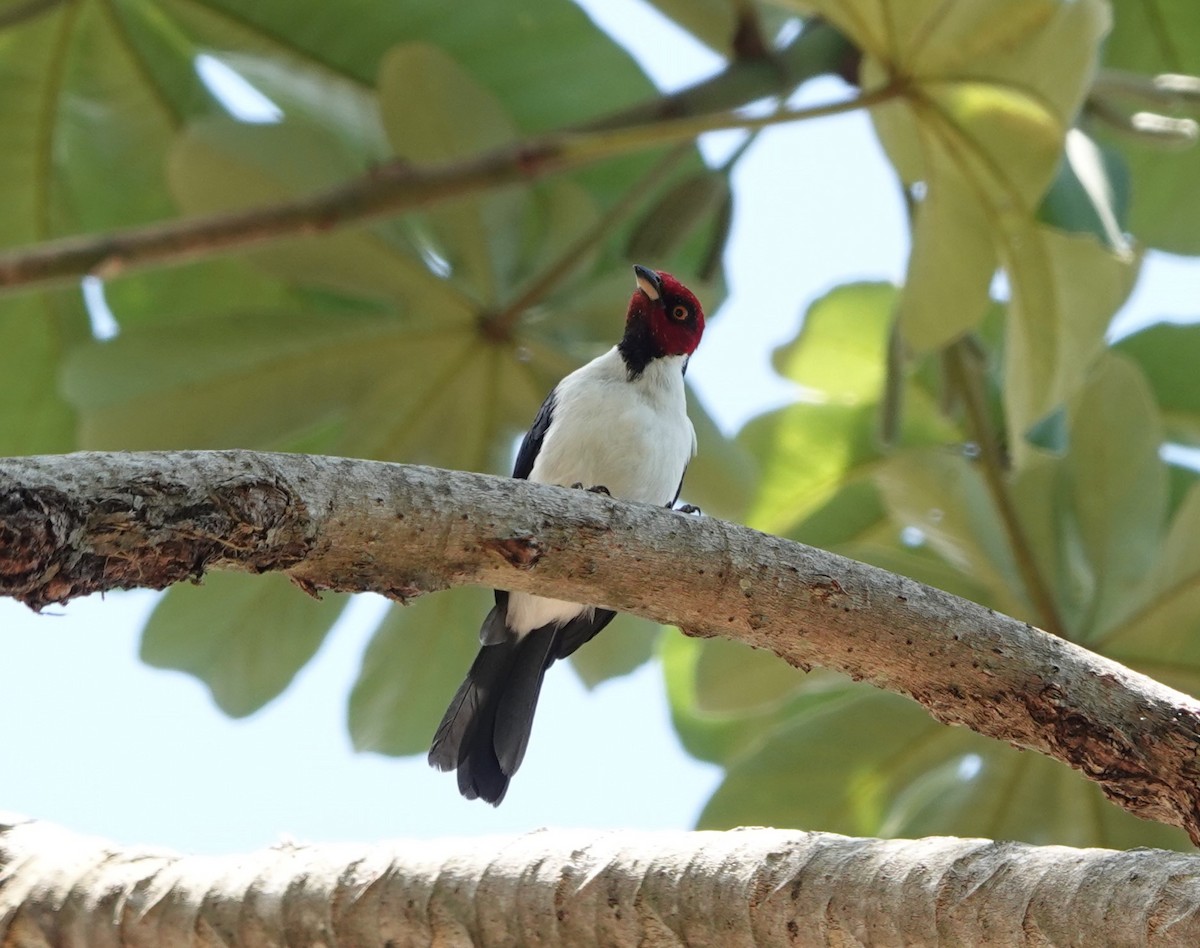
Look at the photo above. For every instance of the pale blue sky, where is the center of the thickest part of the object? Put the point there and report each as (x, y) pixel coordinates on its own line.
(92, 739)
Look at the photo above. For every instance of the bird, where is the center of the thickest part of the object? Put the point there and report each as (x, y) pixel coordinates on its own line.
(617, 425)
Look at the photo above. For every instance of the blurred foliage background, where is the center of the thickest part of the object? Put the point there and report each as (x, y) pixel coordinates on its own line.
(973, 429)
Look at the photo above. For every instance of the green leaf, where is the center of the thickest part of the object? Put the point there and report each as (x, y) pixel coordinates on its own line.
(942, 493)
(452, 381)
(807, 453)
(222, 165)
(1065, 290)
(1090, 193)
(1151, 39)
(1118, 483)
(313, 96)
(1041, 494)
(35, 418)
(910, 777)
(721, 736)
(26, 101)
(810, 452)
(410, 671)
(677, 213)
(435, 112)
(623, 647)
(176, 295)
(841, 351)
(946, 294)
(722, 477)
(248, 379)
(84, 134)
(732, 678)
(245, 637)
(558, 214)
(991, 92)
(1167, 354)
(1161, 635)
(713, 22)
(540, 83)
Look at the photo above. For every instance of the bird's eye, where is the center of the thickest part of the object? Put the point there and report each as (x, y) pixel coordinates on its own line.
(680, 312)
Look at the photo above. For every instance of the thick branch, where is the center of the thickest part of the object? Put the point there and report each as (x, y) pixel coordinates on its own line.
(75, 524)
(399, 186)
(737, 889)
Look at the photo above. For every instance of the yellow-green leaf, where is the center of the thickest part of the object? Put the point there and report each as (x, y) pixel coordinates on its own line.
(986, 94)
(625, 645)
(713, 22)
(245, 637)
(841, 352)
(436, 112)
(411, 669)
(911, 776)
(731, 677)
(1161, 634)
(1118, 483)
(1065, 290)
(942, 493)
(222, 165)
(1168, 354)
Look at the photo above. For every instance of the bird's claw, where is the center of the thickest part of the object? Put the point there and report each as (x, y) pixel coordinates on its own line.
(688, 509)
(594, 489)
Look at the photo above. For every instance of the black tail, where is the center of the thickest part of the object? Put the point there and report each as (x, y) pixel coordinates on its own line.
(486, 729)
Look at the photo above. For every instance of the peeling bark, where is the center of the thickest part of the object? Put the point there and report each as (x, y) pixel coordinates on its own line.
(79, 523)
(736, 889)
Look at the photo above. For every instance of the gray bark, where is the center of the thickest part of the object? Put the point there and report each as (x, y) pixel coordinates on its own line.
(75, 524)
(741, 888)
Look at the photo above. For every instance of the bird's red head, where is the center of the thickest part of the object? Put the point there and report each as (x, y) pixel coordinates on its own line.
(666, 311)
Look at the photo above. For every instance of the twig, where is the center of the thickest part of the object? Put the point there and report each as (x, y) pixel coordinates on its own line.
(501, 323)
(964, 378)
(28, 10)
(389, 189)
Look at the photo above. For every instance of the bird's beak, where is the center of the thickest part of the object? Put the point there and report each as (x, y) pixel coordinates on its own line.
(648, 282)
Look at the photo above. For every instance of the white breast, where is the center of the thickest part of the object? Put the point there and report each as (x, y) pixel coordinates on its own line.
(633, 437)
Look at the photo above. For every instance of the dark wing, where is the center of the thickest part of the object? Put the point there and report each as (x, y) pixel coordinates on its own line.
(532, 442)
(583, 628)
(679, 489)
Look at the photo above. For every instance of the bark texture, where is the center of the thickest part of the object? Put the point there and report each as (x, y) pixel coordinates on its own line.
(74, 524)
(731, 890)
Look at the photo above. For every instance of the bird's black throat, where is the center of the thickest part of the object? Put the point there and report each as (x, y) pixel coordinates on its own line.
(638, 348)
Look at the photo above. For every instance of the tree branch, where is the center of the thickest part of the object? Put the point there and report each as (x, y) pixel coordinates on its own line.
(75, 524)
(399, 186)
(579, 888)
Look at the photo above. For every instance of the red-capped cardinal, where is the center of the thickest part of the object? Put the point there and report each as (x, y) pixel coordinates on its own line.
(618, 424)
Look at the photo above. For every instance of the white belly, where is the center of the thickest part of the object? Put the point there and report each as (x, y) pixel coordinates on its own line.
(634, 438)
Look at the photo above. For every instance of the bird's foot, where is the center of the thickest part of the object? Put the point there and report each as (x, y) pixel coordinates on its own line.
(594, 489)
(688, 509)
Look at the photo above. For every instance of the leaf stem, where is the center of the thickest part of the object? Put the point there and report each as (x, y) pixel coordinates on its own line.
(964, 374)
